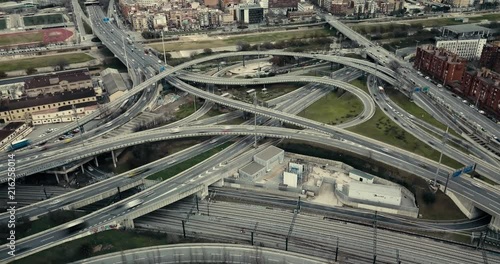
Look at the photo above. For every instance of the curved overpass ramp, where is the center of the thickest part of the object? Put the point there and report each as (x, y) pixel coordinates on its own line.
(204, 253)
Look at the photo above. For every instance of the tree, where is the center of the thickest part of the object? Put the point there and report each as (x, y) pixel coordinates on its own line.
(429, 197)
(86, 250)
(3, 74)
(31, 71)
(194, 54)
(208, 51)
(62, 64)
(243, 46)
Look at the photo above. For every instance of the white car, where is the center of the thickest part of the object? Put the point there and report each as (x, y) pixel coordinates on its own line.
(440, 86)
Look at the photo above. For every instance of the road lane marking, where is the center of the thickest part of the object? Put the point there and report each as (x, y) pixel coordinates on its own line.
(47, 239)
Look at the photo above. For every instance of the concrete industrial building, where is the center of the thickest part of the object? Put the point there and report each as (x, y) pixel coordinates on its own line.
(113, 83)
(58, 82)
(375, 193)
(253, 170)
(12, 131)
(490, 57)
(361, 176)
(290, 179)
(467, 41)
(440, 64)
(483, 88)
(269, 157)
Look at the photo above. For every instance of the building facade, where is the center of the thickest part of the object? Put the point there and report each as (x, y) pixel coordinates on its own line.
(23, 109)
(466, 48)
(490, 57)
(58, 82)
(375, 193)
(250, 14)
(440, 64)
(483, 88)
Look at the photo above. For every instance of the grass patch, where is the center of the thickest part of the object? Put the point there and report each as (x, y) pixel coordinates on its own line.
(334, 108)
(402, 101)
(109, 241)
(25, 37)
(43, 20)
(43, 61)
(48, 221)
(361, 84)
(235, 121)
(174, 170)
(251, 39)
(187, 109)
(3, 24)
(381, 128)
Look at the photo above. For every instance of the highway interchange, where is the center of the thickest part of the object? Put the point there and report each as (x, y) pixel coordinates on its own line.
(193, 179)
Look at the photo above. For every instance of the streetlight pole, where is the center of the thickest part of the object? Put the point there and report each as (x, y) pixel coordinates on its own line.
(255, 119)
(78, 123)
(441, 155)
(163, 44)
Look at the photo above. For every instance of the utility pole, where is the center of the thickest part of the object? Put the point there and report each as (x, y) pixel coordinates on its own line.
(78, 123)
(375, 238)
(441, 155)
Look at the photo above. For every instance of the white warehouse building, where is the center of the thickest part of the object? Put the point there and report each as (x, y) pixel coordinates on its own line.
(378, 193)
(269, 157)
(361, 176)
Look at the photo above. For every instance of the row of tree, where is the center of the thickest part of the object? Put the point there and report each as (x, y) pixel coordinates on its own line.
(282, 44)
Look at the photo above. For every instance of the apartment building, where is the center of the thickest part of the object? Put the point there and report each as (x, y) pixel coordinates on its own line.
(440, 64)
(483, 87)
(58, 82)
(490, 56)
(467, 41)
(23, 109)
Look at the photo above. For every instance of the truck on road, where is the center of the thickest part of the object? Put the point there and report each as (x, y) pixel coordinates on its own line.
(19, 144)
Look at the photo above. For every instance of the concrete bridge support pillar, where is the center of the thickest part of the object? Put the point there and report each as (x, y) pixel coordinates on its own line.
(331, 66)
(57, 177)
(203, 193)
(243, 60)
(495, 223)
(66, 177)
(83, 169)
(96, 162)
(219, 183)
(128, 223)
(113, 158)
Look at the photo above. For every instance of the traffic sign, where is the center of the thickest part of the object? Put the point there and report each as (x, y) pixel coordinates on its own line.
(417, 89)
(426, 89)
(457, 173)
(469, 168)
(106, 19)
(162, 68)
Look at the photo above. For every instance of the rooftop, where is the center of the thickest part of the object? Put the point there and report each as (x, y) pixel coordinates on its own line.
(268, 153)
(362, 174)
(376, 189)
(8, 105)
(12, 126)
(56, 78)
(252, 168)
(466, 28)
(113, 82)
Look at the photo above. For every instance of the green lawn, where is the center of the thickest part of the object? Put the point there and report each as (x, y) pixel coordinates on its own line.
(186, 110)
(236, 121)
(24, 37)
(334, 109)
(361, 84)
(43, 61)
(43, 20)
(111, 241)
(3, 24)
(402, 101)
(381, 128)
(233, 40)
(47, 221)
(174, 170)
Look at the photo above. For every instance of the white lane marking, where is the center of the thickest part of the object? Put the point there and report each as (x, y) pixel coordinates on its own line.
(494, 206)
(47, 239)
(102, 216)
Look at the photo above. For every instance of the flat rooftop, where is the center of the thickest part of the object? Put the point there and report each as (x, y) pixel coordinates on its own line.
(252, 168)
(362, 174)
(466, 28)
(268, 153)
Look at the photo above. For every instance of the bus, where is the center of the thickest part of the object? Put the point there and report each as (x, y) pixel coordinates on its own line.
(250, 91)
(225, 95)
